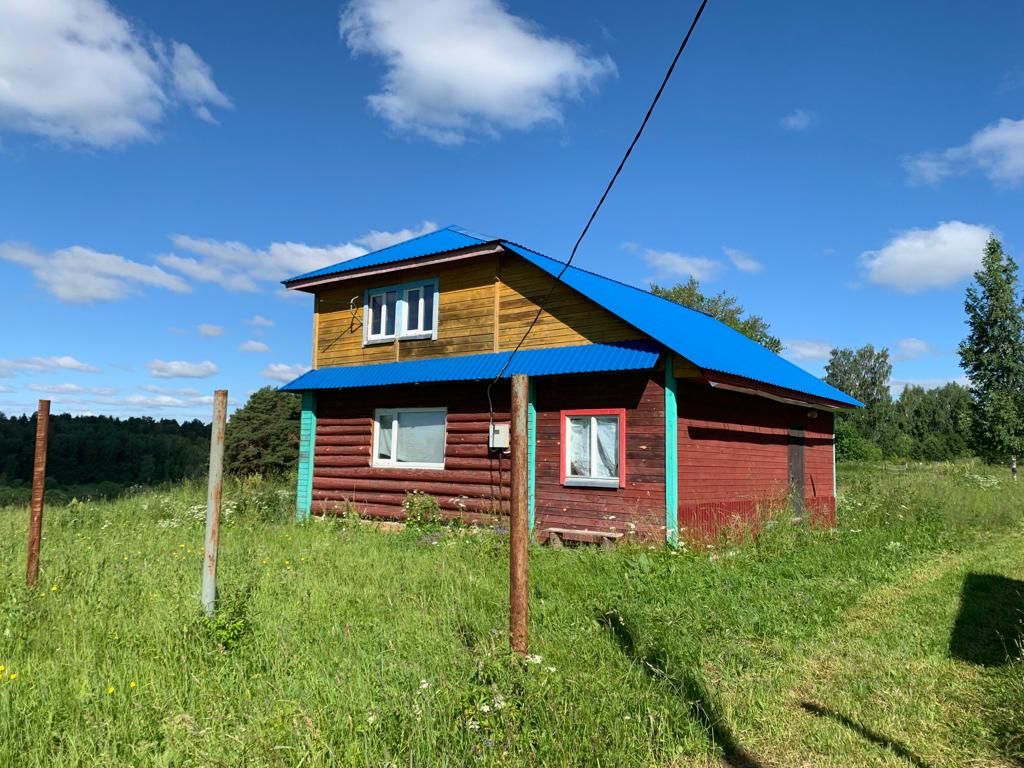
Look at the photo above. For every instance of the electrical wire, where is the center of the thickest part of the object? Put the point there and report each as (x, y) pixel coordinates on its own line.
(600, 203)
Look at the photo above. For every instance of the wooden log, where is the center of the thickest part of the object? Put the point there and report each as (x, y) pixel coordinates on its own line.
(381, 485)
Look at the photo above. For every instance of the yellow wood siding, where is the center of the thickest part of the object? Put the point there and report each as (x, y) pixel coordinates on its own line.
(485, 304)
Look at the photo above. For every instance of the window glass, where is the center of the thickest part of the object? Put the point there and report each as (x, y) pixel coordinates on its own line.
(606, 457)
(421, 437)
(579, 446)
(376, 305)
(390, 304)
(412, 309)
(384, 426)
(410, 437)
(428, 307)
(592, 449)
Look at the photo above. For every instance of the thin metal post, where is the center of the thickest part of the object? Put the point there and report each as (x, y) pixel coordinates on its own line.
(35, 525)
(519, 515)
(213, 496)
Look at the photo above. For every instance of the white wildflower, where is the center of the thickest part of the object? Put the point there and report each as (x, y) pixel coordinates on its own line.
(533, 658)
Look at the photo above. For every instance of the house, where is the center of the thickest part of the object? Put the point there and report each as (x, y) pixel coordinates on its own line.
(645, 417)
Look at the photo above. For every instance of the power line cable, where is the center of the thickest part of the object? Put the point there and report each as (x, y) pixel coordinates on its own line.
(600, 203)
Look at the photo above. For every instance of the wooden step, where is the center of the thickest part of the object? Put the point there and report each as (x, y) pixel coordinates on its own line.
(557, 536)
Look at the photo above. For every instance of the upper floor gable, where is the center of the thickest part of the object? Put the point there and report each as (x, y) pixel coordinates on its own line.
(481, 299)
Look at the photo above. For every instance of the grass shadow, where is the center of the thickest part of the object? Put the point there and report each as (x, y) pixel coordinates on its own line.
(896, 747)
(990, 624)
(683, 684)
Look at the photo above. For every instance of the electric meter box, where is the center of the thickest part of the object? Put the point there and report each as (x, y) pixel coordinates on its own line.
(499, 436)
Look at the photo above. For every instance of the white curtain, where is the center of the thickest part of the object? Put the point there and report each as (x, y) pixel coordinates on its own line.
(384, 436)
(606, 462)
(579, 446)
(421, 437)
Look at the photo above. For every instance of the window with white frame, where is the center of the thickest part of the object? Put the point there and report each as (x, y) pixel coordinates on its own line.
(407, 311)
(409, 437)
(593, 448)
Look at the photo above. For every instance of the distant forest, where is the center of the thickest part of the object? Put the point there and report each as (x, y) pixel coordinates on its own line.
(100, 455)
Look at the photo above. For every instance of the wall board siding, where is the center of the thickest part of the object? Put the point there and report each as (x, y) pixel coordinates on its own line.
(485, 304)
(474, 485)
(639, 508)
(733, 459)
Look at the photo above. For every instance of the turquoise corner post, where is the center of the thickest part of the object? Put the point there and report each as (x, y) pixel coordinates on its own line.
(531, 453)
(307, 438)
(671, 456)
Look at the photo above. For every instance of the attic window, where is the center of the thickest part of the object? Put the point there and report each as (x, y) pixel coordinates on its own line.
(407, 311)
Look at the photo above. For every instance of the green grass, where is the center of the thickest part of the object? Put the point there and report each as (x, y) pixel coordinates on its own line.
(337, 644)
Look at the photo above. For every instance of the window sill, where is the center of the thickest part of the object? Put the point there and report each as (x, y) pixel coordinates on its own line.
(372, 342)
(406, 465)
(591, 482)
(426, 335)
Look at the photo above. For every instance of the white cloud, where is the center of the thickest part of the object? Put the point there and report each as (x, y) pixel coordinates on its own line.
(801, 349)
(284, 372)
(205, 329)
(911, 349)
(193, 80)
(259, 321)
(238, 267)
(66, 389)
(919, 259)
(78, 72)
(4, 390)
(377, 239)
(174, 369)
(458, 68)
(81, 275)
(669, 264)
(743, 261)
(253, 346)
(45, 364)
(797, 120)
(997, 150)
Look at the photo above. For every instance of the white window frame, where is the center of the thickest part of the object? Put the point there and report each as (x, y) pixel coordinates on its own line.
(393, 462)
(594, 482)
(401, 310)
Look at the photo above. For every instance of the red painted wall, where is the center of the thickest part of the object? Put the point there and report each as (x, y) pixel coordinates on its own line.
(473, 485)
(733, 458)
(639, 507)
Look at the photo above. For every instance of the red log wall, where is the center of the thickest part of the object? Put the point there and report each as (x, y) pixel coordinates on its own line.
(733, 459)
(473, 484)
(637, 508)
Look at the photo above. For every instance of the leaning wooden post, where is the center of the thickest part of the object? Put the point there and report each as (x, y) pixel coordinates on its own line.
(518, 514)
(35, 525)
(213, 495)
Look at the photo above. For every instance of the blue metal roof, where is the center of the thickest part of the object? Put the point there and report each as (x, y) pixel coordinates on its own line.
(447, 239)
(588, 358)
(707, 343)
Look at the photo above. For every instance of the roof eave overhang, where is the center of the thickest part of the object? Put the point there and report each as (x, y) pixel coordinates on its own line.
(309, 284)
(777, 394)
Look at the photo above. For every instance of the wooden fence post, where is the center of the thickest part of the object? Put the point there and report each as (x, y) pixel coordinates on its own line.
(213, 496)
(35, 525)
(519, 515)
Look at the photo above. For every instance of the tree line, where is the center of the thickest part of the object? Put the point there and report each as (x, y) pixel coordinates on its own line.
(104, 455)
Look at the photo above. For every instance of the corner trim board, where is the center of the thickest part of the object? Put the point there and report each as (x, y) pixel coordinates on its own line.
(671, 456)
(307, 440)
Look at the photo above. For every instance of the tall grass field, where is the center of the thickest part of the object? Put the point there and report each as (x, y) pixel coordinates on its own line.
(892, 640)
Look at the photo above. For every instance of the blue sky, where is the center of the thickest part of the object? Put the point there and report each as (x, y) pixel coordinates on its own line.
(163, 165)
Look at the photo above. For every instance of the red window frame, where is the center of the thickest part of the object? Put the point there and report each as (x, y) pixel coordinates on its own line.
(563, 446)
